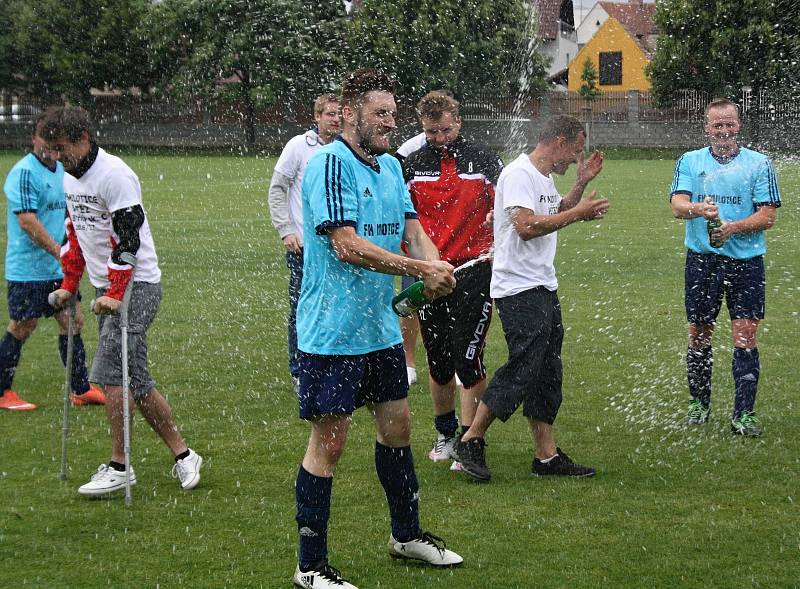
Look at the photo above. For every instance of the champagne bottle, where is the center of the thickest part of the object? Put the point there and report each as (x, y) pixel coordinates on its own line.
(411, 299)
(714, 224)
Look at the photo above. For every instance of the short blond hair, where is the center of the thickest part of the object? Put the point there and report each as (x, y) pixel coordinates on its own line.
(322, 100)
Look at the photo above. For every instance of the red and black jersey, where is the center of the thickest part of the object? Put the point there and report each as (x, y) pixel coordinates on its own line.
(453, 190)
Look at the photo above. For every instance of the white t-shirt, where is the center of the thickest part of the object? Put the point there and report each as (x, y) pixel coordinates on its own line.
(412, 145)
(108, 186)
(292, 164)
(521, 265)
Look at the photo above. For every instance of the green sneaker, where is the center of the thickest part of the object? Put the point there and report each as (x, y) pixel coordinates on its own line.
(697, 414)
(746, 425)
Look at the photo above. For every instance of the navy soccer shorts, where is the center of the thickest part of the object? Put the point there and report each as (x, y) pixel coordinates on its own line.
(28, 300)
(338, 384)
(710, 277)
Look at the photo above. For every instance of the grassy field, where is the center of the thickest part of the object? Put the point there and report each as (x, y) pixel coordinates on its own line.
(670, 507)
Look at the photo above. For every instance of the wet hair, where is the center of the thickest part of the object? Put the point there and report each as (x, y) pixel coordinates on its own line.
(561, 126)
(322, 100)
(364, 80)
(721, 103)
(434, 104)
(40, 118)
(66, 121)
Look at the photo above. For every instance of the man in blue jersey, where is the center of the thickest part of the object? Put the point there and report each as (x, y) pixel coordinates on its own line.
(356, 212)
(736, 186)
(35, 225)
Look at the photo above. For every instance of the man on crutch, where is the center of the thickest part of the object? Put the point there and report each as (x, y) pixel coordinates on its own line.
(106, 224)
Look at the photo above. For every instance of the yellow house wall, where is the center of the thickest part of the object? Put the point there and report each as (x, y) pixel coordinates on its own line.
(611, 36)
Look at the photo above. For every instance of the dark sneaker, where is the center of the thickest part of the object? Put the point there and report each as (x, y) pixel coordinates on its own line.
(322, 576)
(472, 456)
(697, 414)
(561, 465)
(746, 425)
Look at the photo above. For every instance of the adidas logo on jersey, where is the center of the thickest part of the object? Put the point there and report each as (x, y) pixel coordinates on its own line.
(367, 193)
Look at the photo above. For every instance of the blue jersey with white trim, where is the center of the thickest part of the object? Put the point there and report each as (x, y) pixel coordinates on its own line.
(346, 309)
(738, 188)
(31, 187)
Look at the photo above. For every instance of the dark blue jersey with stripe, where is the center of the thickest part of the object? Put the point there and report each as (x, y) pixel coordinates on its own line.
(343, 308)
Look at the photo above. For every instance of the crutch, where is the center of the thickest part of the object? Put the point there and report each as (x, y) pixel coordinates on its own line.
(126, 427)
(67, 378)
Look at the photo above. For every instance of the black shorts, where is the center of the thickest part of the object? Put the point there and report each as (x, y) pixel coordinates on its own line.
(533, 374)
(454, 328)
(28, 300)
(710, 277)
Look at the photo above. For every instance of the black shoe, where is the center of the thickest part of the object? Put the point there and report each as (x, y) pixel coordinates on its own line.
(561, 465)
(472, 456)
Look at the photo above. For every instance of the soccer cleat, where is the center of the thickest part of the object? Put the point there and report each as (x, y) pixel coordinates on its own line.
(746, 425)
(560, 465)
(697, 414)
(94, 396)
(442, 448)
(322, 576)
(296, 384)
(188, 470)
(106, 480)
(13, 402)
(456, 466)
(472, 456)
(427, 548)
(411, 373)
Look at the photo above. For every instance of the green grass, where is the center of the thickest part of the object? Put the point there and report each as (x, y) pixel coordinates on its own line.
(669, 507)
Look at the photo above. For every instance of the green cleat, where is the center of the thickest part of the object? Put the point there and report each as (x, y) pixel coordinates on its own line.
(746, 425)
(697, 414)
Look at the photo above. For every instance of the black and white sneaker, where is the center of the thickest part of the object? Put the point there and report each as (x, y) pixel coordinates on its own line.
(472, 457)
(560, 465)
(427, 548)
(320, 576)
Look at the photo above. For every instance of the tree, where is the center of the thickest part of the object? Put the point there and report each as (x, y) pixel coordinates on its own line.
(588, 88)
(57, 48)
(253, 51)
(464, 45)
(716, 47)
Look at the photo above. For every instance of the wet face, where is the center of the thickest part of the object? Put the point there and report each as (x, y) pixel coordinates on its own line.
(69, 153)
(328, 121)
(374, 120)
(40, 147)
(568, 153)
(722, 126)
(442, 131)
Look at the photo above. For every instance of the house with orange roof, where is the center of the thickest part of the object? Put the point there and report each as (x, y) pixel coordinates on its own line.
(619, 39)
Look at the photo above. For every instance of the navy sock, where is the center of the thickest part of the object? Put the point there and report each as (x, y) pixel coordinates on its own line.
(182, 455)
(80, 377)
(10, 350)
(699, 365)
(117, 466)
(464, 428)
(446, 424)
(746, 368)
(395, 467)
(313, 497)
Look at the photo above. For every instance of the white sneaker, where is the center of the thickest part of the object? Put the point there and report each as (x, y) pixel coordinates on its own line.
(442, 448)
(427, 548)
(411, 372)
(188, 470)
(322, 578)
(106, 480)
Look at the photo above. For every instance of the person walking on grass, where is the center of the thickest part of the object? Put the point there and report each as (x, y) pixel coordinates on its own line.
(286, 207)
(734, 186)
(356, 211)
(35, 228)
(528, 213)
(105, 219)
(452, 184)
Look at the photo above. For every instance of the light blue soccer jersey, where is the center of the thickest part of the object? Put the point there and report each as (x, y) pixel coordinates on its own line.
(738, 188)
(32, 187)
(345, 309)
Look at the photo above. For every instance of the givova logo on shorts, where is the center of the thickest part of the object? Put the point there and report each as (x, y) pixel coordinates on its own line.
(480, 329)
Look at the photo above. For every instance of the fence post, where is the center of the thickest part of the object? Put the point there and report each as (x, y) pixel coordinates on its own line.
(633, 106)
